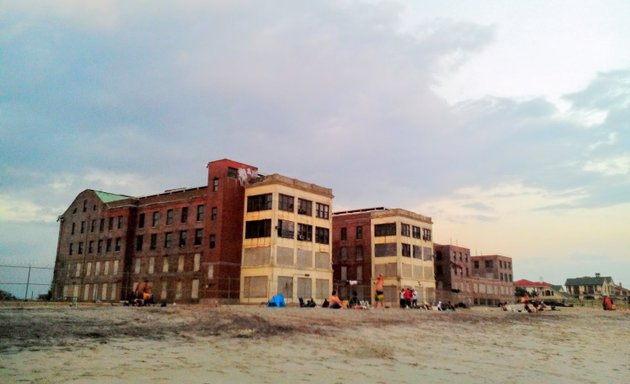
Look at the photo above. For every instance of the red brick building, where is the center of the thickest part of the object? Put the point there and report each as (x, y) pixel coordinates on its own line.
(473, 280)
(185, 243)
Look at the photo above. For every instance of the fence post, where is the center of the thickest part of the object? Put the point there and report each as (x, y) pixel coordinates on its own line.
(28, 280)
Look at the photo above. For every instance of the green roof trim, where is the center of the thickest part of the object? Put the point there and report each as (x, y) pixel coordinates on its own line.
(588, 280)
(109, 197)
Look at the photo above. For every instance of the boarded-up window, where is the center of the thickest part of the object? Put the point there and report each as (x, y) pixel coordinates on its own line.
(388, 270)
(305, 288)
(78, 270)
(86, 292)
(322, 260)
(178, 290)
(165, 264)
(115, 267)
(284, 256)
(304, 258)
(406, 271)
(417, 252)
(151, 264)
(197, 261)
(386, 249)
(257, 256)
(113, 292)
(285, 286)
(194, 293)
(164, 293)
(180, 264)
(321, 289)
(97, 268)
(255, 286)
(75, 291)
(106, 268)
(104, 291)
(88, 269)
(137, 268)
(428, 253)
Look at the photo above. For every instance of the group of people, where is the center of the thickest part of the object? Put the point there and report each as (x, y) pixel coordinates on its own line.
(142, 296)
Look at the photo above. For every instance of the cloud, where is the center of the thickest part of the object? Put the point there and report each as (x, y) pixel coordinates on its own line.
(612, 166)
(17, 210)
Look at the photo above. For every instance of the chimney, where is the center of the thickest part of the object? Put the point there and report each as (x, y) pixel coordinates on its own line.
(597, 275)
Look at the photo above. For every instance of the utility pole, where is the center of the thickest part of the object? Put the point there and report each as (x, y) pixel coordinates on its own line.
(28, 280)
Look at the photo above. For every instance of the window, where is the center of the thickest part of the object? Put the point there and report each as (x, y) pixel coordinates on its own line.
(110, 223)
(169, 217)
(99, 246)
(388, 229)
(213, 241)
(200, 212)
(258, 228)
(93, 226)
(153, 242)
(417, 252)
(184, 216)
(359, 253)
(426, 234)
(73, 228)
(286, 229)
(416, 233)
(405, 229)
(80, 251)
(323, 211)
(168, 239)
(117, 246)
(120, 222)
(232, 173)
(70, 249)
(286, 203)
(141, 220)
(344, 253)
(215, 184)
(156, 219)
(359, 273)
(213, 213)
(198, 236)
(108, 245)
(322, 235)
(84, 205)
(488, 263)
(101, 225)
(385, 249)
(305, 207)
(139, 243)
(91, 247)
(358, 232)
(406, 250)
(305, 232)
(259, 202)
(344, 233)
(183, 236)
(476, 264)
(82, 226)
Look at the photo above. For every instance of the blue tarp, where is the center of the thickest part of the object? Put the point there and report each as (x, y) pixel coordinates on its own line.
(277, 301)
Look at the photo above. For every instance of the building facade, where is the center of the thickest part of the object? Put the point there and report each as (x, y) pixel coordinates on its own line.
(472, 280)
(286, 246)
(393, 242)
(184, 245)
(589, 287)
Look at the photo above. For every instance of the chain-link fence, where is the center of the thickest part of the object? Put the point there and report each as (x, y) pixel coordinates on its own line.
(25, 282)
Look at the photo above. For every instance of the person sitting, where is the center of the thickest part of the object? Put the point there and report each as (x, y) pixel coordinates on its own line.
(334, 301)
(354, 301)
(311, 303)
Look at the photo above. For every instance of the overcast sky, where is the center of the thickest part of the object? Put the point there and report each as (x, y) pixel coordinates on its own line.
(506, 122)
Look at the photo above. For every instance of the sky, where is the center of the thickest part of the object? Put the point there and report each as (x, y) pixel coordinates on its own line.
(508, 123)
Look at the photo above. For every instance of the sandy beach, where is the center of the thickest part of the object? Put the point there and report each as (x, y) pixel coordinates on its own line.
(235, 344)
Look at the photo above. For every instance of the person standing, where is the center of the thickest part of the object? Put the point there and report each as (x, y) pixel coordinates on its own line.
(378, 296)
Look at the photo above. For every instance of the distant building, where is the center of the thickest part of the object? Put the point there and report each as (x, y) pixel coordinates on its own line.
(287, 240)
(394, 242)
(185, 244)
(472, 280)
(588, 287)
(543, 290)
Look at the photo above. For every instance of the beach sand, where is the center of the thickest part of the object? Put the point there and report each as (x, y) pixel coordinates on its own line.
(253, 344)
